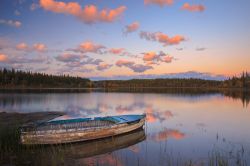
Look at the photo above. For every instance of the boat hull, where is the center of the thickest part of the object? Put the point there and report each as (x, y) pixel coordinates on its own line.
(77, 135)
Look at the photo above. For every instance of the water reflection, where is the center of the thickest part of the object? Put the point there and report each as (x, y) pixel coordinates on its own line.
(97, 151)
(166, 133)
(180, 127)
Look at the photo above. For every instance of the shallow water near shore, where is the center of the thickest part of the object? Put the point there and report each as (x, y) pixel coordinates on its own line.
(181, 128)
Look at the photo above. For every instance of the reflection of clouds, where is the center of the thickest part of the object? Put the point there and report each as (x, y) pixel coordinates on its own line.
(166, 134)
(153, 115)
(81, 111)
(201, 124)
(130, 108)
(106, 159)
(104, 107)
(134, 148)
(124, 109)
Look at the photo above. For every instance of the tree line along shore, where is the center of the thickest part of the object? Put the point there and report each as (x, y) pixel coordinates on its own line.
(22, 79)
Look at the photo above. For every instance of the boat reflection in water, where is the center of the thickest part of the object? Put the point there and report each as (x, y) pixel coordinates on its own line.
(66, 154)
(105, 145)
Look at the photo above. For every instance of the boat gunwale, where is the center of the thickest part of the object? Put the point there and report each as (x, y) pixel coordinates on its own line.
(33, 136)
(76, 129)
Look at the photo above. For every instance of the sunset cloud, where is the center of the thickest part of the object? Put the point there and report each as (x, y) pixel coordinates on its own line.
(167, 59)
(3, 58)
(201, 49)
(24, 60)
(89, 46)
(66, 57)
(34, 6)
(39, 47)
(138, 68)
(116, 51)
(153, 57)
(22, 46)
(159, 2)
(103, 66)
(150, 56)
(193, 8)
(166, 134)
(162, 38)
(132, 27)
(88, 14)
(122, 62)
(12, 23)
(154, 115)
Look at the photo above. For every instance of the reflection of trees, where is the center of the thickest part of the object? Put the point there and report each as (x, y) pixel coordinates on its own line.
(244, 96)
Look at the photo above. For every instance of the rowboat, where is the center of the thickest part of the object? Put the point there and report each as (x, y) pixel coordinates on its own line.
(60, 153)
(79, 129)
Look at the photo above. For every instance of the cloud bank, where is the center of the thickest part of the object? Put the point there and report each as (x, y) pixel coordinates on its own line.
(88, 14)
(193, 8)
(138, 68)
(159, 2)
(132, 27)
(12, 23)
(162, 38)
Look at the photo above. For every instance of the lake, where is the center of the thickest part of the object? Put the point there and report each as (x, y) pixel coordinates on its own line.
(181, 128)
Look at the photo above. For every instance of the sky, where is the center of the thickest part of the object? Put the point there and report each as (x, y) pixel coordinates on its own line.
(103, 39)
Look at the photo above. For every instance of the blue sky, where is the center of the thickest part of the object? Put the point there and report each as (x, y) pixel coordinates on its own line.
(215, 37)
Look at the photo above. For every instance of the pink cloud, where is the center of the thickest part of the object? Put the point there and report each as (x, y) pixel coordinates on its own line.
(193, 8)
(103, 66)
(132, 27)
(22, 46)
(3, 58)
(122, 62)
(116, 51)
(66, 57)
(149, 56)
(90, 47)
(162, 38)
(39, 47)
(12, 23)
(138, 68)
(167, 59)
(159, 2)
(152, 57)
(88, 14)
(166, 40)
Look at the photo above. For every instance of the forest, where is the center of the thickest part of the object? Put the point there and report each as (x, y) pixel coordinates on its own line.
(21, 79)
(242, 82)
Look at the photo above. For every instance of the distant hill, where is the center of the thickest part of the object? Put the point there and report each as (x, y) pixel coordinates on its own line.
(186, 75)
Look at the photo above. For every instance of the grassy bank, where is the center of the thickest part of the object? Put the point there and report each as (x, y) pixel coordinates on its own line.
(10, 148)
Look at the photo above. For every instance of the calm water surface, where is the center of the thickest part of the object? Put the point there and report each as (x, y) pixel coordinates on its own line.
(180, 128)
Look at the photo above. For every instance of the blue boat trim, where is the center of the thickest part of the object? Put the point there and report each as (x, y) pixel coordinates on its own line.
(116, 119)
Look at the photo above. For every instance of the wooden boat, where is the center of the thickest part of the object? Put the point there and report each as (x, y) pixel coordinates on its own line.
(80, 129)
(80, 150)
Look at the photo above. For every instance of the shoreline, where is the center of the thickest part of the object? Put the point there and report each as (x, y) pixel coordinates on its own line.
(16, 119)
